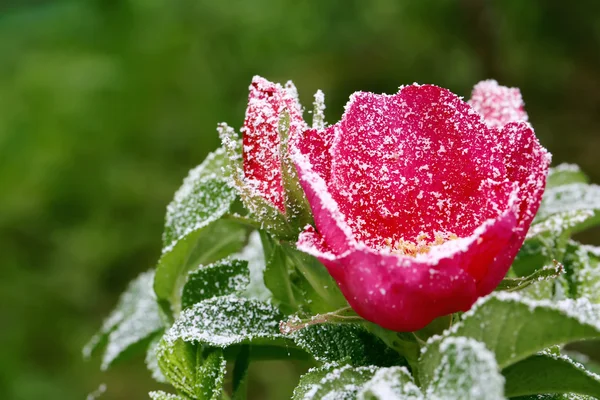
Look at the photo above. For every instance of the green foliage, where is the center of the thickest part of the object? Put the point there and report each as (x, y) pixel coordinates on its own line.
(549, 373)
(569, 205)
(334, 382)
(565, 174)
(517, 327)
(465, 370)
(193, 232)
(225, 321)
(135, 318)
(390, 383)
(278, 278)
(210, 373)
(583, 271)
(219, 279)
(178, 364)
(298, 280)
(345, 343)
(240, 374)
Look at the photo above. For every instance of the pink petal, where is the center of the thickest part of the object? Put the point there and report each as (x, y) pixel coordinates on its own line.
(328, 218)
(498, 105)
(262, 164)
(405, 293)
(311, 242)
(527, 164)
(414, 163)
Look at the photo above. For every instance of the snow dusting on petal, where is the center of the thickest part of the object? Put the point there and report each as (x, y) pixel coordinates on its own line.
(498, 105)
(262, 162)
(413, 164)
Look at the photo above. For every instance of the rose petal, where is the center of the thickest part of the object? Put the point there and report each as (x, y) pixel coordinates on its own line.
(498, 105)
(262, 164)
(527, 164)
(328, 218)
(413, 163)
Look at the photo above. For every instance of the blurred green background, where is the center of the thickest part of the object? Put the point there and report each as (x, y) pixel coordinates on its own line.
(106, 104)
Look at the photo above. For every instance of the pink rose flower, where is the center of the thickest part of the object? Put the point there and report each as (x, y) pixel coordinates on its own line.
(420, 200)
(261, 140)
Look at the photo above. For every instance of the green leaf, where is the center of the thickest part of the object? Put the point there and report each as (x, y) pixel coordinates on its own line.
(204, 197)
(333, 382)
(160, 395)
(219, 279)
(178, 364)
(240, 374)
(299, 281)
(152, 360)
(549, 373)
(405, 343)
(195, 371)
(514, 327)
(193, 233)
(345, 343)
(321, 292)
(215, 241)
(564, 174)
(254, 254)
(568, 199)
(278, 278)
(389, 384)
(134, 320)
(561, 225)
(225, 321)
(582, 263)
(467, 370)
(210, 375)
(546, 273)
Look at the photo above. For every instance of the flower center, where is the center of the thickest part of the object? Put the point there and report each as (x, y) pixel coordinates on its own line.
(421, 246)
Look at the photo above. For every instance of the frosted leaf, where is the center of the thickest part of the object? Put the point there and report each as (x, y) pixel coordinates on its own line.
(393, 383)
(204, 197)
(332, 382)
(343, 343)
(557, 224)
(215, 241)
(224, 321)
(160, 395)
(583, 270)
(254, 254)
(135, 318)
(136, 326)
(194, 371)
(210, 375)
(554, 373)
(564, 174)
(222, 278)
(569, 198)
(152, 361)
(514, 327)
(467, 370)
